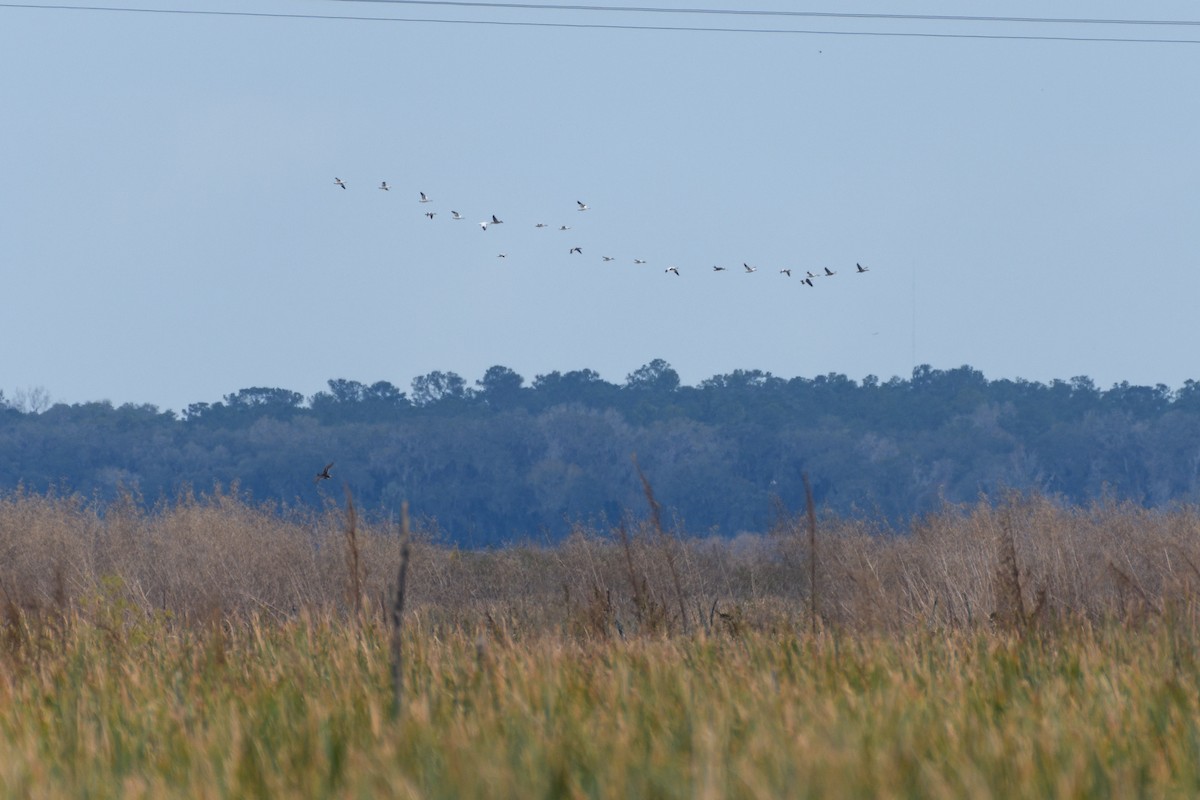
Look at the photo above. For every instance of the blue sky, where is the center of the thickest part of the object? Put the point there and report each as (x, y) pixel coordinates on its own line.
(172, 232)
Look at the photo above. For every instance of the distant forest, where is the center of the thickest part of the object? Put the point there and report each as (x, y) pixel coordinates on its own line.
(505, 460)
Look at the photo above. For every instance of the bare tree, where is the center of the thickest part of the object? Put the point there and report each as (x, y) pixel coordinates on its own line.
(30, 400)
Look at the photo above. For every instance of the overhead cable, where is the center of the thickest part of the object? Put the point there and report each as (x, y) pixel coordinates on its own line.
(617, 27)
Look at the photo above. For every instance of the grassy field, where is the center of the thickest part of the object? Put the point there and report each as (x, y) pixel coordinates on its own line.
(211, 648)
(303, 708)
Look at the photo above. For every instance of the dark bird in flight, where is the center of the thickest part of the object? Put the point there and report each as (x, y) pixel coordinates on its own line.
(672, 269)
(383, 185)
(862, 269)
(787, 272)
(808, 281)
(718, 269)
(431, 214)
(575, 250)
(829, 273)
(324, 475)
(340, 182)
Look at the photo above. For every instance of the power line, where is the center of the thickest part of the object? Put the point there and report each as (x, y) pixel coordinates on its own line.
(760, 13)
(618, 27)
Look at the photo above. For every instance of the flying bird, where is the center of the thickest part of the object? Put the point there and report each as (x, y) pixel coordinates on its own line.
(424, 199)
(672, 269)
(455, 215)
(808, 281)
(323, 475)
(340, 182)
(502, 255)
(575, 250)
(787, 272)
(492, 221)
(564, 227)
(862, 269)
(383, 185)
(608, 258)
(582, 205)
(809, 274)
(431, 214)
(540, 225)
(749, 268)
(829, 273)
(718, 269)
(639, 261)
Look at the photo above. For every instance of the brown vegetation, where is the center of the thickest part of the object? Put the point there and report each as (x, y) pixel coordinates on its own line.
(1022, 562)
(212, 647)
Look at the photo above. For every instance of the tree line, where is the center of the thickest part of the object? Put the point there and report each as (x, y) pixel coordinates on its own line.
(505, 459)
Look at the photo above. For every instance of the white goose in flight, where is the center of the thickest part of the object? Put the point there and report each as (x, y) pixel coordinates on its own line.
(639, 261)
(383, 185)
(787, 272)
(582, 205)
(455, 215)
(672, 269)
(493, 221)
(608, 258)
(749, 268)
(340, 182)
(718, 269)
(829, 273)
(424, 198)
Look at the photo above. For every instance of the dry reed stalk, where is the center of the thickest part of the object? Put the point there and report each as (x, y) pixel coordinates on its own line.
(639, 601)
(810, 510)
(398, 614)
(1010, 597)
(656, 520)
(352, 556)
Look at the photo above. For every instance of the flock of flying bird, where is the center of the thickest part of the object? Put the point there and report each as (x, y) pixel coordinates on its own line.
(807, 278)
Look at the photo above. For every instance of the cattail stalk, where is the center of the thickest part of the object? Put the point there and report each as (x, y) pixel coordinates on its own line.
(398, 614)
(352, 555)
(656, 520)
(810, 509)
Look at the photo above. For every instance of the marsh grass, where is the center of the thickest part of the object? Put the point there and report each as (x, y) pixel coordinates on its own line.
(205, 647)
(260, 708)
(1019, 563)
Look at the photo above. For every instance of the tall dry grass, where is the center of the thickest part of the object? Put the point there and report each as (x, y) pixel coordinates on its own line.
(1020, 562)
(213, 647)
